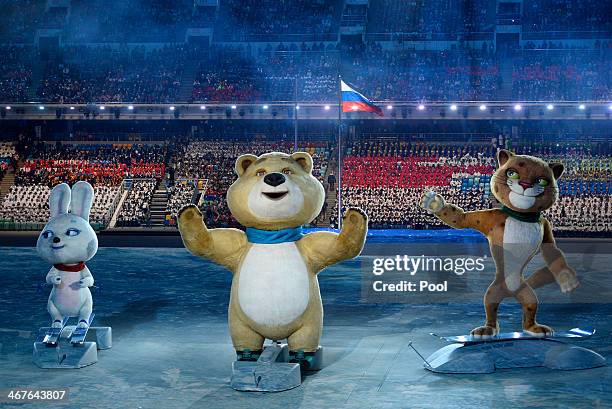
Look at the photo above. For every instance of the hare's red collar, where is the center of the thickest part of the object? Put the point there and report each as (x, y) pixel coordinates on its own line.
(72, 268)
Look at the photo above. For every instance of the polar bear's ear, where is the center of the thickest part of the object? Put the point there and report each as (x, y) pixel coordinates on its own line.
(304, 160)
(243, 163)
(59, 200)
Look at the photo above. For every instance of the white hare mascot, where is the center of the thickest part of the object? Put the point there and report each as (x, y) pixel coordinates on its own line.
(67, 242)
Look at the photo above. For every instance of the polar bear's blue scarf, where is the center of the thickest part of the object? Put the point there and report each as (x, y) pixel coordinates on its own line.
(274, 236)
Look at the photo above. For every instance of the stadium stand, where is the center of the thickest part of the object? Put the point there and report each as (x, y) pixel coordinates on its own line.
(251, 19)
(103, 165)
(15, 73)
(387, 179)
(103, 74)
(135, 209)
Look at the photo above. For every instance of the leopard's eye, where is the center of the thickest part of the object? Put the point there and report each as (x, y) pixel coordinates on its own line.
(260, 172)
(542, 182)
(512, 174)
(287, 171)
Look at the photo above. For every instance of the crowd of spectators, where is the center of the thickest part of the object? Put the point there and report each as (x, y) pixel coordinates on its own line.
(566, 16)
(15, 73)
(248, 19)
(568, 75)
(49, 164)
(105, 166)
(179, 195)
(30, 204)
(286, 71)
(442, 17)
(19, 19)
(119, 21)
(83, 74)
(135, 209)
(7, 157)
(388, 178)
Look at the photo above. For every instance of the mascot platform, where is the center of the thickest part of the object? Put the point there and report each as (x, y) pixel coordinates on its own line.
(172, 349)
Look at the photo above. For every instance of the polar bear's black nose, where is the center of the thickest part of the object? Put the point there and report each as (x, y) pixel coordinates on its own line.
(274, 179)
(56, 240)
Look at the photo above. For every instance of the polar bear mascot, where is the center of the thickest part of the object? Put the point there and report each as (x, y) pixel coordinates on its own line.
(275, 292)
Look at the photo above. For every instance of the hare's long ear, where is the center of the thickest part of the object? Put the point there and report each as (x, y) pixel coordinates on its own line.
(59, 200)
(82, 199)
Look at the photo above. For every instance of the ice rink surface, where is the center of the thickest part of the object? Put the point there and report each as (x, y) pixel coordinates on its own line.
(171, 345)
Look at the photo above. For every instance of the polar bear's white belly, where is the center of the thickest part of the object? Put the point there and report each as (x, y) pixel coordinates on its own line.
(274, 287)
(521, 242)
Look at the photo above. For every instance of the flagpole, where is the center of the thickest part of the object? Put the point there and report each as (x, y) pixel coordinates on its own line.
(295, 111)
(339, 152)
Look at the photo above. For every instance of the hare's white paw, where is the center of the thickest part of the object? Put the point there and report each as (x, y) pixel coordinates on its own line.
(56, 324)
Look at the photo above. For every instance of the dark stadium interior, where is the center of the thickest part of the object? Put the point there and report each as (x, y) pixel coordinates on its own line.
(152, 101)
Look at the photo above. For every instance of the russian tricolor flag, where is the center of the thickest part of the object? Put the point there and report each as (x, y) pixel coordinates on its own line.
(353, 101)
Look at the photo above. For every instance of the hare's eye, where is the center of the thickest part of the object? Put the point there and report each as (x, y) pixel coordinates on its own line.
(47, 234)
(72, 232)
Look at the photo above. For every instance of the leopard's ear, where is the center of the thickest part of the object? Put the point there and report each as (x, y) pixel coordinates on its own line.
(502, 156)
(557, 169)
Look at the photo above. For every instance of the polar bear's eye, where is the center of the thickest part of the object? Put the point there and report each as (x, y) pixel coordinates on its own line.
(47, 234)
(287, 171)
(260, 172)
(72, 232)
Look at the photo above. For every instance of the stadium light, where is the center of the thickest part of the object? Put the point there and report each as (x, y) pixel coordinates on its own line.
(72, 108)
(582, 107)
(41, 107)
(131, 107)
(421, 107)
(354, 107)
(202, 107)
(389, 107)
(172, 108)
(265, 107)
(297, 107)
(102, 107)
(233, 106)
(518, 107)
(550, 107)
(8, 108)
(327, 107)
(453, 107)
(483, 107)
(610, 107)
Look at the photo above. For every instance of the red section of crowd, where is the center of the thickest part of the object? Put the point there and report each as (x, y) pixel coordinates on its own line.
(51, 171)
(406, 172)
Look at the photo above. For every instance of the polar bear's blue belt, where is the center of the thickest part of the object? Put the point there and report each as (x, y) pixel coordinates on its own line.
(258, 236)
